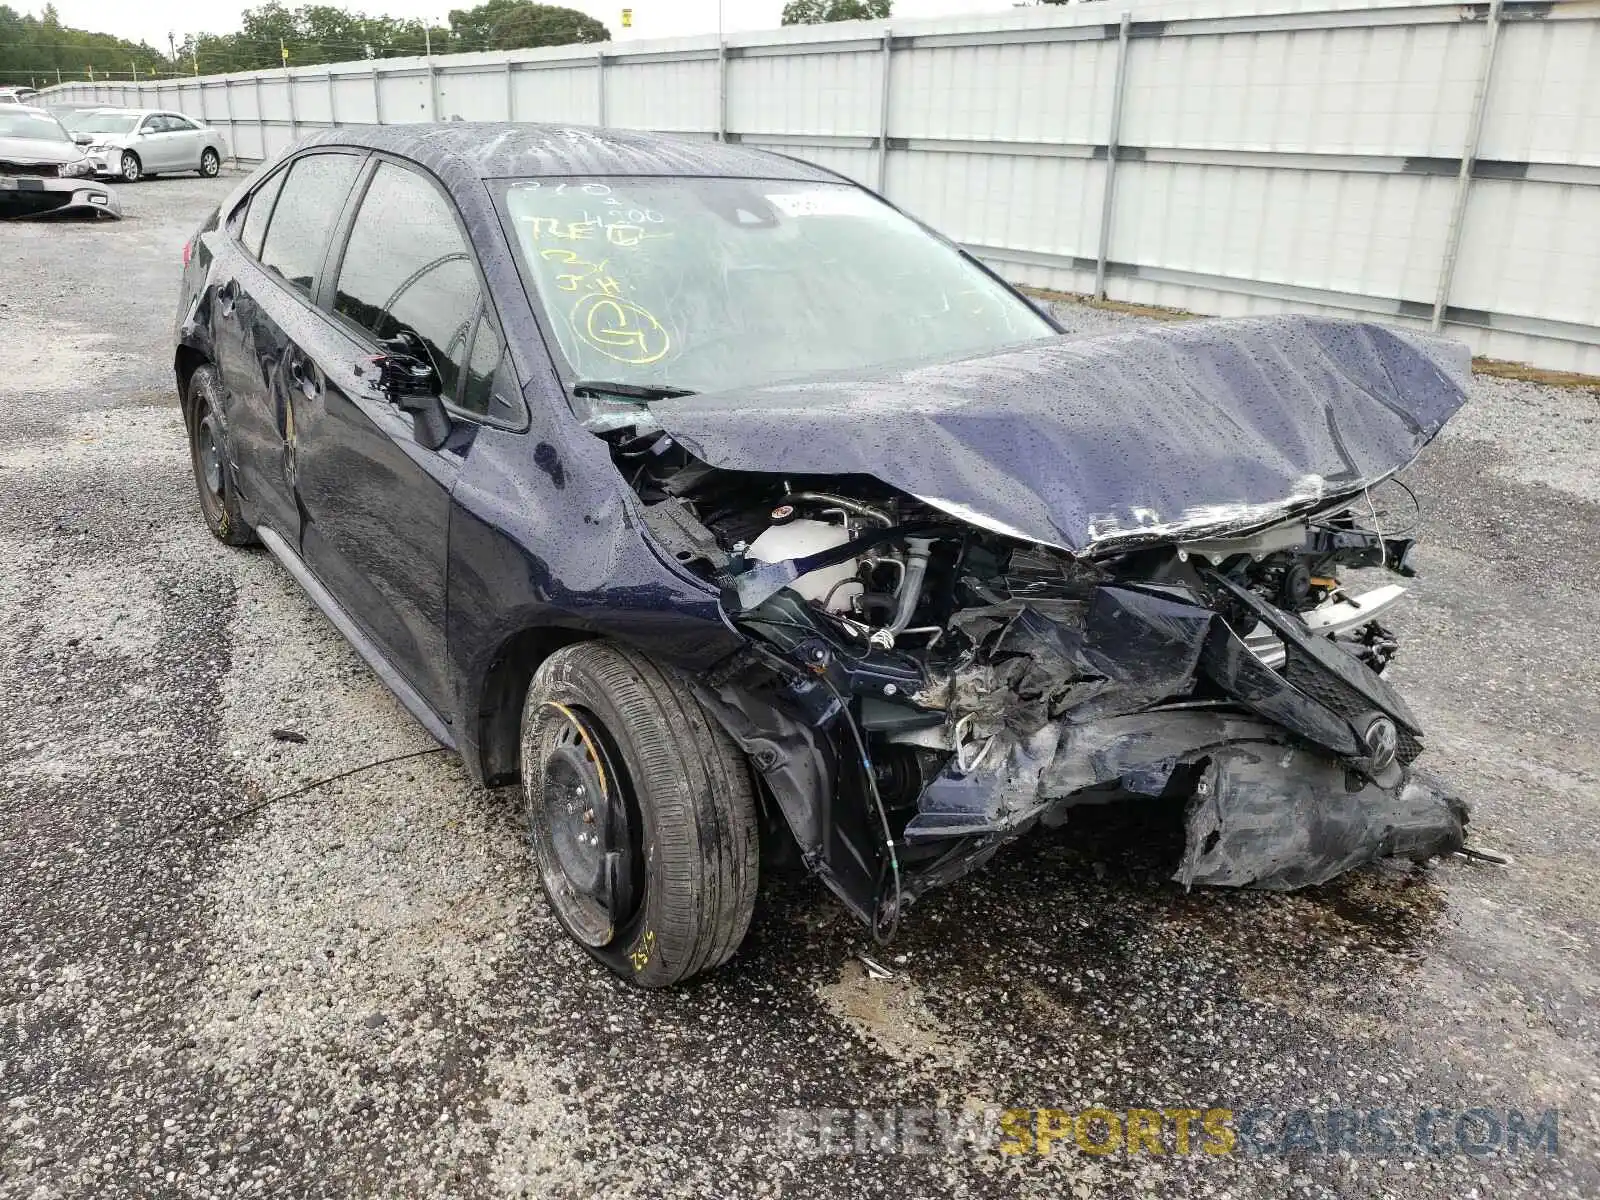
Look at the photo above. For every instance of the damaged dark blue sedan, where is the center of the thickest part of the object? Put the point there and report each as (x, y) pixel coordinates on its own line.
(734, 512)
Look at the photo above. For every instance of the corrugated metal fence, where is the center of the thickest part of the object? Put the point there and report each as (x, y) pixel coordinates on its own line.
(1426, 163)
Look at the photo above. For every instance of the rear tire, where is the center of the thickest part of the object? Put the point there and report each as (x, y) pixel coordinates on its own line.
(210, 164)
(670, 809)
(132, 169)
(208, 453)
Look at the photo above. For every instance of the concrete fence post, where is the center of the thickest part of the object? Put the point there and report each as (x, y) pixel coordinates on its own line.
(600, 88)
(1108, 195)
(1469, 155)
(227, 106)
(261, 119)
(883, 112)
(333, 102)
(722, 89)
(289, 84)
(377, 96)
(511, 93)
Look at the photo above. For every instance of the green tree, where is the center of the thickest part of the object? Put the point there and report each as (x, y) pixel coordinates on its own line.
(314, 33)
(33, 49)
(819, 12)
(515, 24)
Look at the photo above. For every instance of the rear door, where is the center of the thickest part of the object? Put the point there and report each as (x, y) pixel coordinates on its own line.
(261, 293)
(376, 502)
(186, 143)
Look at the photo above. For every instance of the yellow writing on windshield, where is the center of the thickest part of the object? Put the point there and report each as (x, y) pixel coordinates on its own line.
(619, 329)
(582, 275)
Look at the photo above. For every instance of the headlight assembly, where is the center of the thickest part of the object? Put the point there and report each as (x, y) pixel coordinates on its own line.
(70, 170)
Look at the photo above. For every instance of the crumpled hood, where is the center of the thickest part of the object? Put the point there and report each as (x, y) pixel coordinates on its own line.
(1187, 429)
(37, 150)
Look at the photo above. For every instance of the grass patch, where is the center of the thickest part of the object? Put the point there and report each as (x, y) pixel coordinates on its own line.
(1498, 368)
(1501, 369)
(1153, 311)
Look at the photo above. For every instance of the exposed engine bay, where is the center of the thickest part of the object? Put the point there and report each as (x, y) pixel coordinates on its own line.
(919, 690)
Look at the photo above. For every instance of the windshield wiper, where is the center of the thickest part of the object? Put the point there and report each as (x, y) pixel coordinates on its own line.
(642, 392)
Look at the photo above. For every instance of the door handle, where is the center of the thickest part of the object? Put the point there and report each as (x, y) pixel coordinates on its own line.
(227, 296)
(305, 376)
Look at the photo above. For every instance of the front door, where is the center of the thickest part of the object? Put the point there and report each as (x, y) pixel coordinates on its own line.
(155, 146)
(376, 502)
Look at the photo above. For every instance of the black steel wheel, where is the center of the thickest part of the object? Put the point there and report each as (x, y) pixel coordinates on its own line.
(208, 452)
(641, 815)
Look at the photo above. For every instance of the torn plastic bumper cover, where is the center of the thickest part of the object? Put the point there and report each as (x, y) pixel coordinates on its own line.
(1293, 777)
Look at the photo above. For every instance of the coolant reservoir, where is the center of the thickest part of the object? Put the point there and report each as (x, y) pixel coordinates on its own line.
(797, 538)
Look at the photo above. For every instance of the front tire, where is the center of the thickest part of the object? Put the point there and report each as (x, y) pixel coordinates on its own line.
(208, 453)
(210, 164)
(132, 168)
(641, 812)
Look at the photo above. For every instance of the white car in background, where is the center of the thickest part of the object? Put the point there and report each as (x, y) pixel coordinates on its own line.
(135, 142)
(42, 173)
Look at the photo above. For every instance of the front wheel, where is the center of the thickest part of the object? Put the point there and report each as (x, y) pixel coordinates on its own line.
(132, 168)
(641, 812)
(210, 164)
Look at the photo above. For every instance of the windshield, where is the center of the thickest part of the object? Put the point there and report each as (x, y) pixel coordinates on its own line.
(26, 123)
(707, 284)
(105, 122)
(71, 118)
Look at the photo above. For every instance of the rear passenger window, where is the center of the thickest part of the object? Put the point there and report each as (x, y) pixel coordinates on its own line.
(407, 268)
(307, 207)
(257, 209)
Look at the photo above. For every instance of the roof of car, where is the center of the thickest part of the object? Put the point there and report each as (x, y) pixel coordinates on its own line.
(515, 151)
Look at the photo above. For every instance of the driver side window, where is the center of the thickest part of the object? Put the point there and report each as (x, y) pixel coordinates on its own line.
(407, 269)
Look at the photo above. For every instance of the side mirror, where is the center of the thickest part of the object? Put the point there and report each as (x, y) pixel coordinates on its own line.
(83, 139)
(412, 386)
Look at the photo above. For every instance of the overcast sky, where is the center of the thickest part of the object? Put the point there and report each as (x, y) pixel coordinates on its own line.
(152, 20)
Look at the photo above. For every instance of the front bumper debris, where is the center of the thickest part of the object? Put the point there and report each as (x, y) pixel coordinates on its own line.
(1263, 811)
(1290, 819)
(23, 196)
(1284, 788)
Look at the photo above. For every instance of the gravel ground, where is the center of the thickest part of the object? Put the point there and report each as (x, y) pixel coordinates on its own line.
(358, 992)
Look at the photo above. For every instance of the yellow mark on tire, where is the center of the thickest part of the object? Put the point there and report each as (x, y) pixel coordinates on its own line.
(640, 955)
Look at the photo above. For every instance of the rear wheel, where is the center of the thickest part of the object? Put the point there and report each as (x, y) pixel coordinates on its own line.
(132, 168)
(641, 812)
(210, 163)
(219, 504)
